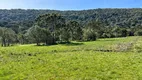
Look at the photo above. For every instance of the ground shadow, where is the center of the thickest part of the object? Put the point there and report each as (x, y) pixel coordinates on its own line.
(71, 44)
(46, 45)
(63, 43)
(107, 40)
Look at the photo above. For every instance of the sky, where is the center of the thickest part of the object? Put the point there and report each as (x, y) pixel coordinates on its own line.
(69, 4)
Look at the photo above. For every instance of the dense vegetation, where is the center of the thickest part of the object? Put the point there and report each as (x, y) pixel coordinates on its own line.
(51, 26)
(113, 17)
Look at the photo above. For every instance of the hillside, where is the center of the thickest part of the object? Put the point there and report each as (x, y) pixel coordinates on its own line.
(111, 17)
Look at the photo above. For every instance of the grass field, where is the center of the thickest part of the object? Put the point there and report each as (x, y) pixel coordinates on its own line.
(104, 59)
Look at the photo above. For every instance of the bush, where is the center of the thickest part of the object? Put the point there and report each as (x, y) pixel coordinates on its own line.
(65, 35)
(89, 35)
(138, 33)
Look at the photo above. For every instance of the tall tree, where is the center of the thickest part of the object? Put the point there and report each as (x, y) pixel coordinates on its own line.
(53, 22)
(96, 26)
(46, 36)
(7, 36)
(35, 34)
(74, 29)
(65, 34)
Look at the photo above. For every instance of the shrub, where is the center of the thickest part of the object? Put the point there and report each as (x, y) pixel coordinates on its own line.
(138, 33)
(89, 35)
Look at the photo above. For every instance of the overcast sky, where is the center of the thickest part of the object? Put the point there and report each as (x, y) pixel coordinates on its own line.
(69, 4)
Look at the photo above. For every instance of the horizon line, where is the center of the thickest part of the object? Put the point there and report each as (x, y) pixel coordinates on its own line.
(61, 10)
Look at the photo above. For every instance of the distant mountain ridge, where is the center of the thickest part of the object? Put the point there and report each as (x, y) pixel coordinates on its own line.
(111, 17)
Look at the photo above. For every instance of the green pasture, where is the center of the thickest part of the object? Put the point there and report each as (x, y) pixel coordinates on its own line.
(104, 59)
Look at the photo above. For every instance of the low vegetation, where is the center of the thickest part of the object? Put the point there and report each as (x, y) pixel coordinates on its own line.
(98, 60)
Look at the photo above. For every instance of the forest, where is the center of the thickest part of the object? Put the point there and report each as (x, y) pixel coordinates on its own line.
(53, 26)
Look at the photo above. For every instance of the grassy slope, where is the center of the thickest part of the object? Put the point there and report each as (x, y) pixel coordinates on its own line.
(74, 61)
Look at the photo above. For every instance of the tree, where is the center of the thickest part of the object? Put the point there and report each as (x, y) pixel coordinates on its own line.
(78, 33)
(46, 36)
(65, 34)
(138, 33)
(21, 38)
(124, 33)
(116, 31)
(93, 30)
(89, 35)
(73, 25)
(96, 26)
(7, 36)
(53, 22)
(35, 34)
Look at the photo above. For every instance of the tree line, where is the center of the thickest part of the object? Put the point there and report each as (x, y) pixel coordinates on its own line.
(53, 28)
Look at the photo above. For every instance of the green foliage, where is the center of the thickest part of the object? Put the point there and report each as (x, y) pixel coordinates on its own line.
(112, 17)
(89, 35)
(58, 29)
(7, 36)
(103, 23)
(35, 34)
(46, 36)
(65, 34)
(52, 22)
(124, 32)
(78, 34)
(74, 28)
(127, 18)
(93, 30)
(106, 35)
(22, 38)
(138, 33)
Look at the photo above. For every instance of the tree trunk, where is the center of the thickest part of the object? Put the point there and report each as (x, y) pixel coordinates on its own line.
(71, 35)
(3, 43)
(46, 42)
(38, 44)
